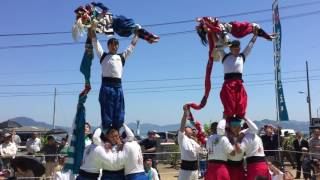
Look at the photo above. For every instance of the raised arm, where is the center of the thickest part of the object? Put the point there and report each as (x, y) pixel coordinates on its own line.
(186, 112)
(247, 50)
(96, 44)
(252, 126)
(130, 48)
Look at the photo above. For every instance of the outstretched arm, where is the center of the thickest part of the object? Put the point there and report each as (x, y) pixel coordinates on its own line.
(247, 50)
(186, 112)
(130, 48)
(96, 44)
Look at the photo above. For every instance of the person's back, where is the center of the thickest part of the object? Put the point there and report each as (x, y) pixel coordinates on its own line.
(134, 160)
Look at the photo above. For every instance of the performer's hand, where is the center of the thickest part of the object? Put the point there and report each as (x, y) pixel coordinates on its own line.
(186, 109)
(107, 146)
(120, 147)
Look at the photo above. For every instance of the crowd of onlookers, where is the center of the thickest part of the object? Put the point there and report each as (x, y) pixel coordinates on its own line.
(45, 150)
(302, 153)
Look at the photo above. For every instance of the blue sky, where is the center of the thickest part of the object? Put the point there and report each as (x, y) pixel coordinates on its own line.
(174, 57)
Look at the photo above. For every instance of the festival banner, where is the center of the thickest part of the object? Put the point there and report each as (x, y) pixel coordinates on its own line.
(281, 104)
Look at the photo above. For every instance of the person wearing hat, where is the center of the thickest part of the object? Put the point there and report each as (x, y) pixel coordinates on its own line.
(219, 147)
(189, 149)
(233, 94)
(306, 163)
(150, 146)
(8, 149)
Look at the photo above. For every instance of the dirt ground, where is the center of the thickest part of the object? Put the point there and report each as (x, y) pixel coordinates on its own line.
(169, 173)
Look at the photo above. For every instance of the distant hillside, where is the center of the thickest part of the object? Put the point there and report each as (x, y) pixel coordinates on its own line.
(25, 121)
(292, 124)
(144, 128)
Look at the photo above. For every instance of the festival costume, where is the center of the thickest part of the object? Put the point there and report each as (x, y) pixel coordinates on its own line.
(235, 163)
(233, 94)
(111, 95)
(256, 164)
(218, 147)
(189, 161)
(107, 23)
(133, 164)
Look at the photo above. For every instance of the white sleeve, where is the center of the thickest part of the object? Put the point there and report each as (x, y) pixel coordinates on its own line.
(252, 126)
(115, 159)
(247, 50)
(244, 144)
(130, 48)
(155, 175)
(227, 146)
(97, 46)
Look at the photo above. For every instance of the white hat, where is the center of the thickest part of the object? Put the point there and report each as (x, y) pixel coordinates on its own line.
(221, 127)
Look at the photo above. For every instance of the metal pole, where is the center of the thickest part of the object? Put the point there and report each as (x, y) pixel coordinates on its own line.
(308, 95)
(54, 109)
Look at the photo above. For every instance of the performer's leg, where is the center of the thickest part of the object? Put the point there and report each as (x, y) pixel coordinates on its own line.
(227, 99)
(241, 103)
(106, 105)
(119, 109)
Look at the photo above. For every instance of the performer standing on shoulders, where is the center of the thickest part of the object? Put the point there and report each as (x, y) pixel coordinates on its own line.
(233, 95)
(111, 95)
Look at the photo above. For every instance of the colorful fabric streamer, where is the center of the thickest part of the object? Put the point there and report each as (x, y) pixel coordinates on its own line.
(107, 23)
(77, 145)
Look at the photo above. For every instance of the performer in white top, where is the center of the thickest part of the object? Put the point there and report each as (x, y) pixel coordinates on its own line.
(219, 148)
(111, 95)
(233, 94)
(189, 149)
(235, 163)
(96, 157)
(252, 146)
(133, 164)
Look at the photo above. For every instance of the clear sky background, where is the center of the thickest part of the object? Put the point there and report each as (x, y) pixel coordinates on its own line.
(28, 76)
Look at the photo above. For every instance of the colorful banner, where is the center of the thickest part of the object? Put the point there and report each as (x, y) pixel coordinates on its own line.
(281, 104)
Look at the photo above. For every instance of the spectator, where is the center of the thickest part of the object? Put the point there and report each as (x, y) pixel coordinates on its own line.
(298, 144)
(33, 144)
(87, 134)
(287, 146)
(314, 144)
(306, 163)
(50, 150)
(15, 138)
(150, 146)
(8, 149)
(63, 147)
(270, 142)
(213, 128)
(150, 171)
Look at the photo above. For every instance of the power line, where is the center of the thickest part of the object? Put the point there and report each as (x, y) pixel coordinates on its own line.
(148, 80)
(159, 88)
(175, 22)
(162, 35)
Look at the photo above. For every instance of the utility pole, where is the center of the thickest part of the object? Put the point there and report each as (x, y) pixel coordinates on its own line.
(54, 109)
(308, 96)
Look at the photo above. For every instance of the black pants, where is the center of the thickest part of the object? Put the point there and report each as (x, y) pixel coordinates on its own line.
(299, 165)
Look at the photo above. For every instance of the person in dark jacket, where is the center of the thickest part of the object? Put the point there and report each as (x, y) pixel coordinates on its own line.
(270, 142)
